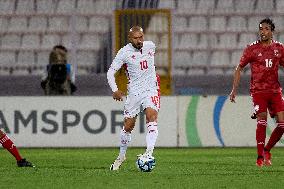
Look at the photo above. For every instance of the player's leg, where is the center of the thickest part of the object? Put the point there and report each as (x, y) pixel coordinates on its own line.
(260, 137)
(8, 144)
(131, 110)
(267, 155)
(274, 138)
(125, 135)
(151, 105)
(125, 138)
(152, 130)
(278, 107)
(260, 102)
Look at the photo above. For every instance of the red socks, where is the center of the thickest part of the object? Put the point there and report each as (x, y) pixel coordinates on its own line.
(260, 136)
(9, 145)
(275, 136)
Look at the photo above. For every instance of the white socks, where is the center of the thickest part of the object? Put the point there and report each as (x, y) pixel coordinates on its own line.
(151, 136)
(125, 138)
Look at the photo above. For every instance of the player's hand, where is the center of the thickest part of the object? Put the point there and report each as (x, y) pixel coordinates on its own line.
(118, 95)
(233, 96)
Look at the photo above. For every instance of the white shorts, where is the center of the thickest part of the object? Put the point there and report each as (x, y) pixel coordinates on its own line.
(133, 103)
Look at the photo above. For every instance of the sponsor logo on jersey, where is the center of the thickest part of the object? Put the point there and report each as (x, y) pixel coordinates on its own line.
(151, 53)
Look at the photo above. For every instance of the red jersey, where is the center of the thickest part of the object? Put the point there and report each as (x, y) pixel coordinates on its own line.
(264, 63)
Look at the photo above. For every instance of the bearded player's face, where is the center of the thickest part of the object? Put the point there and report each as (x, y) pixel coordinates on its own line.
(136, 38)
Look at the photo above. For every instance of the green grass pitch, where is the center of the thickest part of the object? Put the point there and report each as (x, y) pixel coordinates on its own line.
(176, 168)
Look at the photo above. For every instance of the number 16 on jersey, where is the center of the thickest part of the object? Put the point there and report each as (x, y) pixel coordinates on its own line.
(268, 63)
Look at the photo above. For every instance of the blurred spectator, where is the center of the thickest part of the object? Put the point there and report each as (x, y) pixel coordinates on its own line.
(59, 77)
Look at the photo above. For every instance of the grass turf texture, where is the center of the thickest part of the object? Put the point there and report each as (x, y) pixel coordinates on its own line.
(176, 168)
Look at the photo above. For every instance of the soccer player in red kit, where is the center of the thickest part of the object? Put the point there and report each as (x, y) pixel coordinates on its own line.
(8, 144)
(264, 56)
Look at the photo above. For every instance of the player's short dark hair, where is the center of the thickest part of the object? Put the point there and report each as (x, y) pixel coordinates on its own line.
(268, 21)
(61, 47)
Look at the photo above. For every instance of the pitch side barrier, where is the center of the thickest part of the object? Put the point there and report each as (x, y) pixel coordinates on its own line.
(184, 121)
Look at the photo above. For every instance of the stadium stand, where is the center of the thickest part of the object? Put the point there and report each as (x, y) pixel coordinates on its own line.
(30, 28)
(279, 5)
(214, 23)
(227, 27)
(7, 58)
(208, 35)
(225, 6)
(244, 6)
(7, 7)
(37, 24)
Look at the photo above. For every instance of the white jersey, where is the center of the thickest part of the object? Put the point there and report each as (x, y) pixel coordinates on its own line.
(139, 66)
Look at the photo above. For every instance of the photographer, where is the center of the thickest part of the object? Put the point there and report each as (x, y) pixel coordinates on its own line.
(59, 78)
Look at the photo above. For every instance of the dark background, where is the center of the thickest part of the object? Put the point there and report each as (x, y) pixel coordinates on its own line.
(96, 85)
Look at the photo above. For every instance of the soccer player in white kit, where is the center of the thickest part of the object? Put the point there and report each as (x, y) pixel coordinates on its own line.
(137, 57)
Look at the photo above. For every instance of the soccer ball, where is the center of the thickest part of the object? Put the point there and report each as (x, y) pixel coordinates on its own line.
(146, 164)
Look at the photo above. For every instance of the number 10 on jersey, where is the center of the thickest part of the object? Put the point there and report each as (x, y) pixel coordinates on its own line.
(144, 65)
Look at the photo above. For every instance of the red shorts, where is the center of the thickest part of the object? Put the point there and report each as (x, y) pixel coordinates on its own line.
(273, 102)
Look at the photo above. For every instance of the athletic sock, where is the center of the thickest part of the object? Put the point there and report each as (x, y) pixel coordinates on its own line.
(9, 145)
(260, 136)
(151, 136)
(125, 138)
(275, 136)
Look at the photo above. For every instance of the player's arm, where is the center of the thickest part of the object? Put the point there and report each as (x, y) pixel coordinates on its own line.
(245, 59)
(114, 67)
(117, 94)
(282, 57)
(236, 82)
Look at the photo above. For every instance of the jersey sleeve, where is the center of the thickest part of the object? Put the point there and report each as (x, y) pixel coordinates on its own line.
(282, 56)
(245, 58)
(111, 79)
(152, 46)
(114, 67)
(118, 61)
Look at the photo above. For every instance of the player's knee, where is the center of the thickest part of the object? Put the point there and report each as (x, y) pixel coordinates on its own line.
(129, 124)
(151, 115)
(279, 117)
(127, 129)
(262, 116)
(151, 118)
